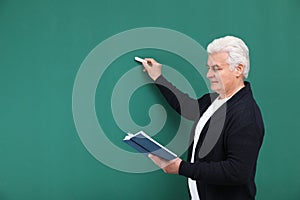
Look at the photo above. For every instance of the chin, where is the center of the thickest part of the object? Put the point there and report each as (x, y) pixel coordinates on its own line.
(213, 88)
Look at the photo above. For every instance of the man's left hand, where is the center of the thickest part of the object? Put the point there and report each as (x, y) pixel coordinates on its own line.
(170, 167)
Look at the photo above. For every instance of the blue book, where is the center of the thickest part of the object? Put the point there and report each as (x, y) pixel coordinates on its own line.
(145, 144)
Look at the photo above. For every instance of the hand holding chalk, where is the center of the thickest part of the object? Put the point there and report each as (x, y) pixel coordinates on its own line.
(152, 67)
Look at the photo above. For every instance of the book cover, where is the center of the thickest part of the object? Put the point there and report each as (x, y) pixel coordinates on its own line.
(145, 144)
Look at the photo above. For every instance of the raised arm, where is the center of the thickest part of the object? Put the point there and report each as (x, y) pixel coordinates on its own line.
(181, 102)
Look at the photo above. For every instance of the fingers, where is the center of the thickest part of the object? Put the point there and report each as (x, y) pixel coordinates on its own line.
(146, 66)
(152, 67)
(159, 161)
(170, 167)
(148, 63)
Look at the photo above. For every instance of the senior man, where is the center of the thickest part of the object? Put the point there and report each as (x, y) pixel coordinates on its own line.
(228, 127)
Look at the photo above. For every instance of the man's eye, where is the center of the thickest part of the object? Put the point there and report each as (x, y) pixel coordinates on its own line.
(215, 67)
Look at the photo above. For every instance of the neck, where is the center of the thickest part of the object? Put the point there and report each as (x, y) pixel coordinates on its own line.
(231, 92)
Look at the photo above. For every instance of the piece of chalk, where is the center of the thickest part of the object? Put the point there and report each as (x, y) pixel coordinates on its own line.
(139, 59)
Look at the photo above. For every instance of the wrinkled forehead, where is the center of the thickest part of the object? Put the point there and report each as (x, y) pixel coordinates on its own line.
(219, 58)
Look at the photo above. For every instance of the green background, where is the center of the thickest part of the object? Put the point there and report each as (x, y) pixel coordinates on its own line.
(44, 42)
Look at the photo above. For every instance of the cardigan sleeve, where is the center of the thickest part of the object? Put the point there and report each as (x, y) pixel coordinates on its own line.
(179, 101)
(243, 145)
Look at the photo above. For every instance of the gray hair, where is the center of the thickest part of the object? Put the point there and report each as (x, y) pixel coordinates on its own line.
(237, 50)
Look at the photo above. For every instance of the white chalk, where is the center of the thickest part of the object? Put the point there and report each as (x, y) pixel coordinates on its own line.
(139, 59)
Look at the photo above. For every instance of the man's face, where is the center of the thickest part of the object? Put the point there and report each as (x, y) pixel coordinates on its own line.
(222, 78)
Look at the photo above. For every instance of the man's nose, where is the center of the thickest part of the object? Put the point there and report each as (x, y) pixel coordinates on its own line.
(209, 73)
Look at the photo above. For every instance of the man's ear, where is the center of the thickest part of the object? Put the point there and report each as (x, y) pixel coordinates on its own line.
(238, 70)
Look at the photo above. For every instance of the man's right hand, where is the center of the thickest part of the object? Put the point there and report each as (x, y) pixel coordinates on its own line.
(152, 67)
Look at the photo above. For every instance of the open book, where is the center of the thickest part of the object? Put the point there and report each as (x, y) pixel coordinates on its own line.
(145, 144)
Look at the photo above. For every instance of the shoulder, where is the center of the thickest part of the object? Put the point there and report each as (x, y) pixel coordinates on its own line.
(244, 111)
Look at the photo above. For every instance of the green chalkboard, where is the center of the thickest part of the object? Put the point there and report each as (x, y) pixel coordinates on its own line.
(65, 108)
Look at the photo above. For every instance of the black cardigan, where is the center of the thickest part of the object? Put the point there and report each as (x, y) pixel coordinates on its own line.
(226, 171)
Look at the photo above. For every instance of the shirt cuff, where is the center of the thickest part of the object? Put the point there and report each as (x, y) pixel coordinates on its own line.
(160, 79)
